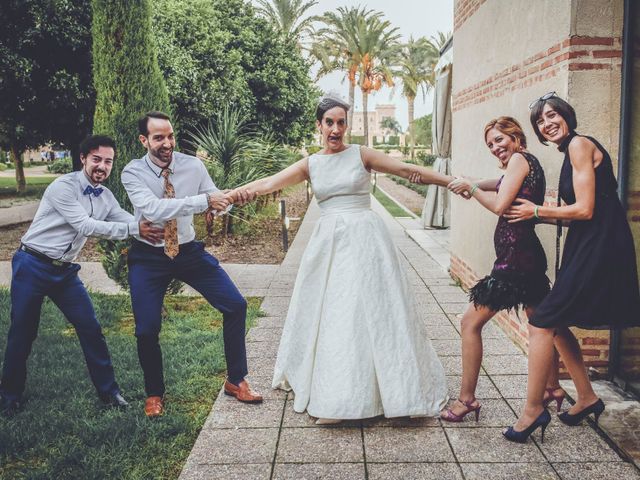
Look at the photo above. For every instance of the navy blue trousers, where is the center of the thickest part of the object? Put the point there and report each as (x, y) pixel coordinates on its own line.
(150, 272)
(32, 280)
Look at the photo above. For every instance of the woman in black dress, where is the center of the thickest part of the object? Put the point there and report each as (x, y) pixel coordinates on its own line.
(597, 285)
(518, 278)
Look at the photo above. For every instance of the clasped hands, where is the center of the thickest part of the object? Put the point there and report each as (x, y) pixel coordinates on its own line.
(519, 211)
(219, 202)
(459, 185)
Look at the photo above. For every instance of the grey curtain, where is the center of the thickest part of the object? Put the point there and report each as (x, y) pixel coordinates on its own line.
(436, 206)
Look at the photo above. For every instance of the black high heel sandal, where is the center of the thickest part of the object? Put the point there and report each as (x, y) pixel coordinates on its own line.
(572, 420)
(521, 437)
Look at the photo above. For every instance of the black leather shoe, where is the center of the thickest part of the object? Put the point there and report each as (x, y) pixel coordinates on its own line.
(114, 400)
(9, 407)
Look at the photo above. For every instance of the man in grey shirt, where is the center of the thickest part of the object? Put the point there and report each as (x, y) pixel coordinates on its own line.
(168, 187)
(74, 207)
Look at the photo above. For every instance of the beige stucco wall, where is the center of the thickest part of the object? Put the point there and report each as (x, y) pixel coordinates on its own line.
(504, 34)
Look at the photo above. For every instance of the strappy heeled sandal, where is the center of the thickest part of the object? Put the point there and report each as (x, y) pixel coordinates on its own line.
(552, 396)
(448, 415)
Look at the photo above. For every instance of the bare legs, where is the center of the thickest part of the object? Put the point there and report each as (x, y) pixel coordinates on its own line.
(569, 349)
(473, 320)
(541, 359)
(541, 353)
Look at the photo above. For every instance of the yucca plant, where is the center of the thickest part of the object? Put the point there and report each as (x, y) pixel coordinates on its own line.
(236, 154)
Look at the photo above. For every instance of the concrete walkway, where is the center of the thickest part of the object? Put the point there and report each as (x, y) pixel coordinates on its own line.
(18, 213)
(272, 441)
(251, 280)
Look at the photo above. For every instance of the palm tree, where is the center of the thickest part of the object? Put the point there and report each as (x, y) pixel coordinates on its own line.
(389, 123)
(378, 46)
(440, 40)
(288, 17)
(416, 70)
(337, 48)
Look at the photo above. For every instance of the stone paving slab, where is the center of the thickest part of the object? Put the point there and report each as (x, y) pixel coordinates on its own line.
(272, 441)
(313, 471)
(320, 445)
(508, 471)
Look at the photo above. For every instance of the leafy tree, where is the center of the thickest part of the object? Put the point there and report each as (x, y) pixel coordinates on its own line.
(417, 60)
(288, 17)
(45, 76)
(422, 130)
(127, 78)
(392, 124)
(214, 52)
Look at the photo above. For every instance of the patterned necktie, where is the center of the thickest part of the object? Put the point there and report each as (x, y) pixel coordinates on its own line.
(171, 246)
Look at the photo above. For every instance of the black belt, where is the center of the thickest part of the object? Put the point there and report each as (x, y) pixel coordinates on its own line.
(42, 256)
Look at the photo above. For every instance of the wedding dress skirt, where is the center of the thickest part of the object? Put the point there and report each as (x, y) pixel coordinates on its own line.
(353, 344)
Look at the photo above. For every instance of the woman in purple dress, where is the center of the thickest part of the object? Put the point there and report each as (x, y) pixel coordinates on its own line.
(518, 278)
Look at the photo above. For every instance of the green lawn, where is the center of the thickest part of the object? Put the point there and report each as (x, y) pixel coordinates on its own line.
(35, 188)
(391, 206)
(9, 182)
(421, 189)
(64, 432)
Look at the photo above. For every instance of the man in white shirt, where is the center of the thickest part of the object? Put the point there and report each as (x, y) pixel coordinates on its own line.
(168, 187)
(74, 207)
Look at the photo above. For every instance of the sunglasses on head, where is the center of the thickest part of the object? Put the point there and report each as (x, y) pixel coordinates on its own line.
(544, 97)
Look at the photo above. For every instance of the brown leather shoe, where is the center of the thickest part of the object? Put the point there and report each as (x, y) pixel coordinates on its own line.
(153, 407)
(242, 392)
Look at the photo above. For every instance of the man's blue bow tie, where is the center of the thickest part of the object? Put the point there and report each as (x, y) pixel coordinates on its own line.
(96, 191)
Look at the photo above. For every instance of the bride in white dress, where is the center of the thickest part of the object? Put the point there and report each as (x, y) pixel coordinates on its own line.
(353, 345)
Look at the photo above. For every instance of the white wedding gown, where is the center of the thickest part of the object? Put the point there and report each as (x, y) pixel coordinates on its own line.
(353, 345)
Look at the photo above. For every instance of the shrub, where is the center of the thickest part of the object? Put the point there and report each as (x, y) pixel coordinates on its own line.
(357, 139)
(425, 158)
(63, 165)
(311, 149)
(114, 262)
(235, 154)
(3, 167)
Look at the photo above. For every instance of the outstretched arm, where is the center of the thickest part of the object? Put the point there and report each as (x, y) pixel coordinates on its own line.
(291, 175)
(515, 174)
(380, 162)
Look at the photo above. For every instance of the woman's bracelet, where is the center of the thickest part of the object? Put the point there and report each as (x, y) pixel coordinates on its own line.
(535, 212)
(474, 188)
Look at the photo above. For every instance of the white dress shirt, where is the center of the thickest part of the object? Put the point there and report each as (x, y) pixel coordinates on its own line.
(66, 217)
(145, 186)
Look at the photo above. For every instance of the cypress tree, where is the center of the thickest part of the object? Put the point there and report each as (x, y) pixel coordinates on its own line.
(126, 77)
(128, 83)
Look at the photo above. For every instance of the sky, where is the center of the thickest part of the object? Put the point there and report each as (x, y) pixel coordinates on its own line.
(419, 18)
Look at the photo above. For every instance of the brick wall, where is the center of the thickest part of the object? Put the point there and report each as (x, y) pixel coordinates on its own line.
(572, 54)
(464, 9)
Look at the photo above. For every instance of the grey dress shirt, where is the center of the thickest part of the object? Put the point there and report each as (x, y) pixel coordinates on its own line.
(66, 217)
(145, 186)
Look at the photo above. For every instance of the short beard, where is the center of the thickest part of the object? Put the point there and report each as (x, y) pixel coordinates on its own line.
(93, 180)
(156, 154)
